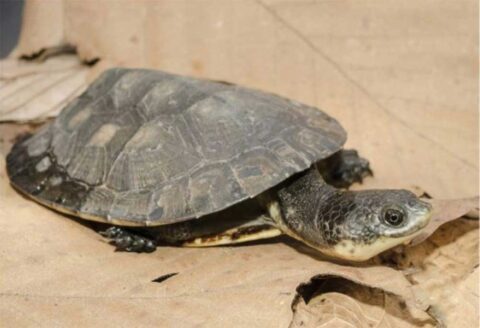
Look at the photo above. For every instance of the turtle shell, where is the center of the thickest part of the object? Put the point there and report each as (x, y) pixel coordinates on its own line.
(144, 147)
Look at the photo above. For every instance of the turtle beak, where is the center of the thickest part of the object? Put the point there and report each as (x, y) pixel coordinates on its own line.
(424, 214)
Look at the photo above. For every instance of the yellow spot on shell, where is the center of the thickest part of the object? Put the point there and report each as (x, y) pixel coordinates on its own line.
(79, 118)
(103, 135)
(43, 165)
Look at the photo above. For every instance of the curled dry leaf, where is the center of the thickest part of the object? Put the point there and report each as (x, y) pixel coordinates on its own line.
(338, 302)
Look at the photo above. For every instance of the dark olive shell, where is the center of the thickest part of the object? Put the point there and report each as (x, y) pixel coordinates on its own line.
(143, 147)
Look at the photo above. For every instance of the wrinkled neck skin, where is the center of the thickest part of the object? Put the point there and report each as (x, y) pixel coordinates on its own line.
(339, 223)
(301, 210)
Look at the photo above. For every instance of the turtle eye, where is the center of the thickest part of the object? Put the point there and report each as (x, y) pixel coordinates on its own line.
(393, 217)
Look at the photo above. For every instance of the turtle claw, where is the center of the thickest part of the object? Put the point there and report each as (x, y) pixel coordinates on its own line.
(349, 169)
(112, 232)
(132, 243)
(129, 242)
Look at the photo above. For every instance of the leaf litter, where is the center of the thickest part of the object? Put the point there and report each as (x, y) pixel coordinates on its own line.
(59, 272)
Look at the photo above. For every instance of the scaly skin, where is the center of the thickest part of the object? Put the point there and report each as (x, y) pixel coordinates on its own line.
(349, 224)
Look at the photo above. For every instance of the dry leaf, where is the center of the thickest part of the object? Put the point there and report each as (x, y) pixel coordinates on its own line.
(341, 303)
(32, 91)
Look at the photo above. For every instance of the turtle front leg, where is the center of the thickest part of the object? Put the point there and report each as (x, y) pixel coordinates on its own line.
(128, 241)
(344, 168)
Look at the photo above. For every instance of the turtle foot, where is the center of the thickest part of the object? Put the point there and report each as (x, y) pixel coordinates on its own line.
(349, 168)
(127, 241)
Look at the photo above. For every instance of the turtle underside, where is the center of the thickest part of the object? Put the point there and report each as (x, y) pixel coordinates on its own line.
(143, 147)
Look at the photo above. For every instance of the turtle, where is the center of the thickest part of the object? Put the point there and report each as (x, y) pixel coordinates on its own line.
(166, 159)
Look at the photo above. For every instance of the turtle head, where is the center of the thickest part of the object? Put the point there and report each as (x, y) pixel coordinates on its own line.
(376, 220)
(353, 225)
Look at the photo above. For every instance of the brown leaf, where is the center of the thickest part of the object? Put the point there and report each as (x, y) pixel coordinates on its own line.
(341, 303)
